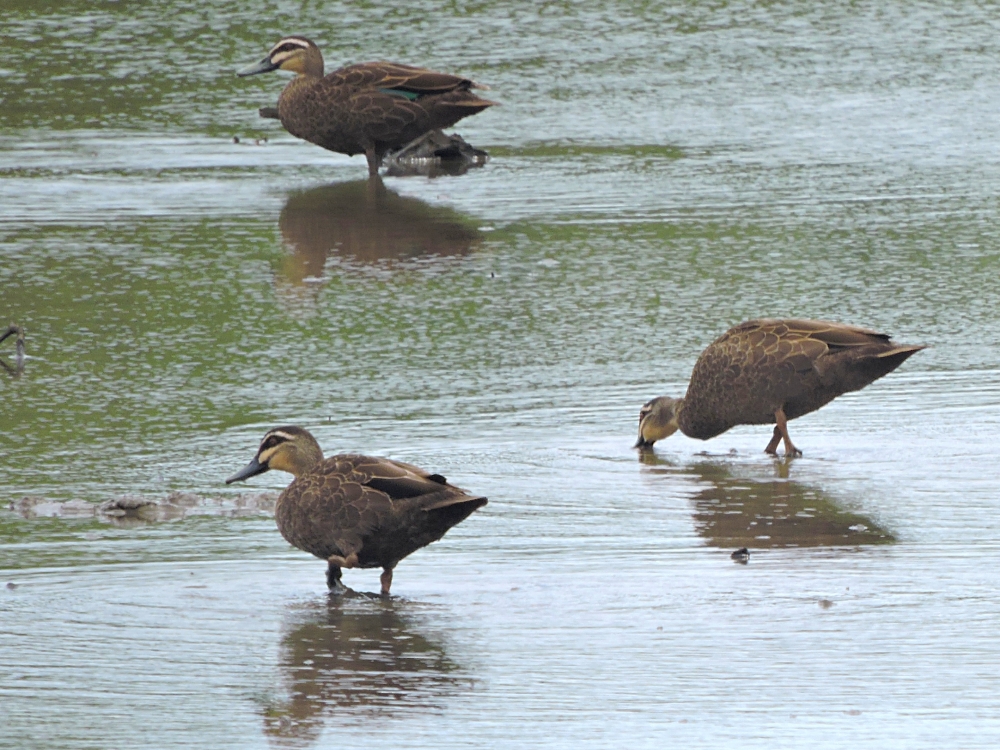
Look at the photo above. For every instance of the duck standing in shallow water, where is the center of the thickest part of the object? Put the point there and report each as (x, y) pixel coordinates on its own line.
(12, 330)
(356, 511)
(369, 108)
(768, 372)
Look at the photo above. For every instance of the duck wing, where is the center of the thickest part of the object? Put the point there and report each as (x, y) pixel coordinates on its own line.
(762, 365)
(855, 357)
(394, 77)
(834, 335)
(421, 508)
(767, 345)
(376, 507)
(800, 365)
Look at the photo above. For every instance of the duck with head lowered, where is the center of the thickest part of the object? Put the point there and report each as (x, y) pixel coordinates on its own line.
(768, 371)
(369, 108)
(356, 511)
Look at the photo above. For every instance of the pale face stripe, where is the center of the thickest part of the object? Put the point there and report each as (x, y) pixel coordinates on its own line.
(300, 43)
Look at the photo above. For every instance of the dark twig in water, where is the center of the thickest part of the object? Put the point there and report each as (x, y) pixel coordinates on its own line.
(12, 329)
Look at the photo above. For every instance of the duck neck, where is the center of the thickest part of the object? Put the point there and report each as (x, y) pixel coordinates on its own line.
(306, 458)
(679, 415)
(297, 458)
(312, 66)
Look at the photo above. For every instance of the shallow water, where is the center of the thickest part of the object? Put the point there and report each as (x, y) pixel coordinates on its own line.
(658, 174)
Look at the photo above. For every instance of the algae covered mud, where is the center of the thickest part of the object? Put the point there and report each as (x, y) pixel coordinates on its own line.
(657, 175)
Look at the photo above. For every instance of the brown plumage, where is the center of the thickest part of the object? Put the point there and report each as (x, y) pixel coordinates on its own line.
(356, 511)
(769, 371)
(368, 108)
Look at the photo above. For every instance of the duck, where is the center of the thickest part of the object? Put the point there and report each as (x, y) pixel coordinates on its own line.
(368, 108)
(12, 330)
(356, 511)
(770, 371)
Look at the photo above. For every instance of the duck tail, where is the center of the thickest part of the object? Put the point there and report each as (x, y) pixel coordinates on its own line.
(450, 500)
(879, 364)
(902, 352)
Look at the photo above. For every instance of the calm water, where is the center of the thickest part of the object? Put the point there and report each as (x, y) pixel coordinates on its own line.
(658, 174)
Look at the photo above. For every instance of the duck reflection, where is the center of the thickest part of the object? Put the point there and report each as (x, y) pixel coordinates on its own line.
(733, 511)
(356, 656)
(365, 222)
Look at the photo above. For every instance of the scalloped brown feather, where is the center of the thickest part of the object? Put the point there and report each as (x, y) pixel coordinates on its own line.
(760, 366)
(378, 508)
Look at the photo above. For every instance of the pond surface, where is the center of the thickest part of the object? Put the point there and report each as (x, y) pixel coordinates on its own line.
(658, 174)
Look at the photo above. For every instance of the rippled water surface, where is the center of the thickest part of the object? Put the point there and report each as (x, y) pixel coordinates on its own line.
(658, 173)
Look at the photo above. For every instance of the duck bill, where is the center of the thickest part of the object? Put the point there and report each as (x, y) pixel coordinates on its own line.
(252, 469)
(653, 431)
(264, 66)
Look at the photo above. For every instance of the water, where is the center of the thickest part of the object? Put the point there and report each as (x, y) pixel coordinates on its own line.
(659, 173)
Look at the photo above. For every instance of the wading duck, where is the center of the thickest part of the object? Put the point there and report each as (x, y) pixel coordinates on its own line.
(368, 108)
(356, 511)
(768, 372)
(12, 330)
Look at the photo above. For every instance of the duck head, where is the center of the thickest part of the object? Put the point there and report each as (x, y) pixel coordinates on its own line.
(289, 448)
(658, 420)
(293, 53)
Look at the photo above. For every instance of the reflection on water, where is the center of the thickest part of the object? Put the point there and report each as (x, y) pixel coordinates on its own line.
(364, 222)
(731, 160)
(743, 511)
(354, 656)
